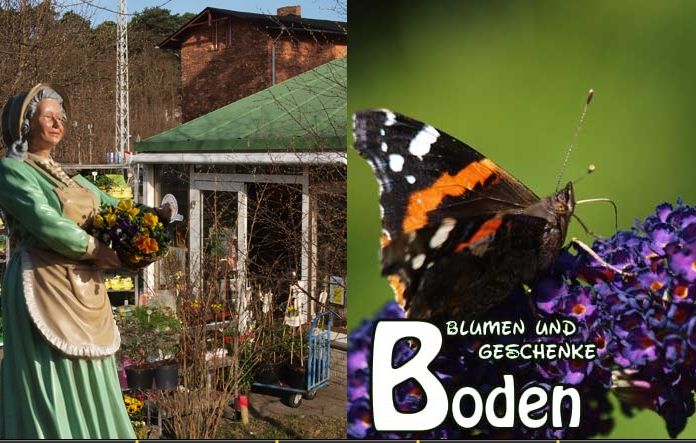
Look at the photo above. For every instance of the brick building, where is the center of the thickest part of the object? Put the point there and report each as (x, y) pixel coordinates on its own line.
(227, 55)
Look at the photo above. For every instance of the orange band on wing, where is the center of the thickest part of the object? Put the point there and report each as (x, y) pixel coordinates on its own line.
(487, 229)
(398, 287)
(425, 200)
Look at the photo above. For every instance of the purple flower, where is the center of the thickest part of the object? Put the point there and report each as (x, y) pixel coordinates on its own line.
(683, 263)
(642, 322)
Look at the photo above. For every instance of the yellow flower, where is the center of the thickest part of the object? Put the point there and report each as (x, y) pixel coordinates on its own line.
(98, 221)
(127, 207)
(150, 220)
(111, 219)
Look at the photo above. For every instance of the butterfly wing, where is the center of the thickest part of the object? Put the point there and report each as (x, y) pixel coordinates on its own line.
(426, 174)
(444, 205)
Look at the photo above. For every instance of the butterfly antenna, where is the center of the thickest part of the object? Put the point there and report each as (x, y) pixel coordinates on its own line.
(575, 137)
(590, 169)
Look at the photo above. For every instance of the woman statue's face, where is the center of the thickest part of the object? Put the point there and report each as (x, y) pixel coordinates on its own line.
(47, 128)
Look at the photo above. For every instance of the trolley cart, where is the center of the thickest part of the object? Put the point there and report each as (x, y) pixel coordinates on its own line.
(318, 367)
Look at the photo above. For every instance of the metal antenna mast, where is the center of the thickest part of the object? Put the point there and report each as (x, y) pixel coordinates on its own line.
(122, 113)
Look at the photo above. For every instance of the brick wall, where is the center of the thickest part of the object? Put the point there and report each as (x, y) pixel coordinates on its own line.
(339, 360)
(301, 53)
(222, 63)
(227, 59)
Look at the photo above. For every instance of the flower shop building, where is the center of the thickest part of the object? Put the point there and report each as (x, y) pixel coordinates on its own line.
(260, 184)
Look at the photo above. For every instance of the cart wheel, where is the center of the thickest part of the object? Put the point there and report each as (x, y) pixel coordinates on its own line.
(310, 395)
(293, 400)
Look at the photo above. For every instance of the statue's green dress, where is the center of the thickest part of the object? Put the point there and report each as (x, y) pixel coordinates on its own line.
(43, 392)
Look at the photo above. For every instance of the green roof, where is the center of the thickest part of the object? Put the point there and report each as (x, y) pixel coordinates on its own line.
(304, 113)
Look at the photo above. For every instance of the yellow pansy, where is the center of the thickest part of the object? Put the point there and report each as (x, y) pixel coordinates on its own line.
(111, 219)
(98, 221)
(127, 207)
(125, 204)
(150, 220)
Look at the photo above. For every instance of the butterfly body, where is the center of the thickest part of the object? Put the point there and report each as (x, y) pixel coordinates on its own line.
(459, 232)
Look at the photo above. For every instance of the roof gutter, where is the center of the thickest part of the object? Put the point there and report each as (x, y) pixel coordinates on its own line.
(259, 158)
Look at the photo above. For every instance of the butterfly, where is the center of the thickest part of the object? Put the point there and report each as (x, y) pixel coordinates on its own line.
(459, 233)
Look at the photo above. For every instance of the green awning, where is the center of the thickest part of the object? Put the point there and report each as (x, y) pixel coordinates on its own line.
(304, 113)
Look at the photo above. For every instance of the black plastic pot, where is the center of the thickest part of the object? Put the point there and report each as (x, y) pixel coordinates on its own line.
(167, 376)
(140, 378)
(267, 373)
(294, 376)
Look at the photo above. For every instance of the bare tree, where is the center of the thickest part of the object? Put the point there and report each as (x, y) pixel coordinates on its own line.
(44, 41)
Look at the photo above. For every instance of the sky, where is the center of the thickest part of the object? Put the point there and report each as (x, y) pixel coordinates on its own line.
(102, 10)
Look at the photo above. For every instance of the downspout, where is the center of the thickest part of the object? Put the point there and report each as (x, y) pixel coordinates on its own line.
(273, 55)
(273, 79)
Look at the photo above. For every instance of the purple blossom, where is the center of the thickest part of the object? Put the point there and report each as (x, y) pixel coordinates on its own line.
(642, 322)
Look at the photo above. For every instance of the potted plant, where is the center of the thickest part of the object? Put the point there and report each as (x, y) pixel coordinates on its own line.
(135, 338)
(167, 329)
(134, 406)
(289, 351)
(149, 344)
(293, 372)
(273, 353)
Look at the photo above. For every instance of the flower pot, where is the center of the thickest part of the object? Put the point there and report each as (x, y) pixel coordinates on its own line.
(267, 373)
(140, 378)
(167, 376)
(294, 376)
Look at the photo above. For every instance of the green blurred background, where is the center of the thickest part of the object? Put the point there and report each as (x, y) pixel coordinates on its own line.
(510, 78)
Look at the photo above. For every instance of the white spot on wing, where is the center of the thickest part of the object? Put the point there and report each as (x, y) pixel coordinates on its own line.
(442, 233)
(386, 234)
(411, 179)
(390, 118)
(384, 147)
(420, 145)
(418, 261)
(396, 162)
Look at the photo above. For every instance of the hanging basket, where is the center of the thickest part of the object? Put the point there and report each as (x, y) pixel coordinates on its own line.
(128, 257)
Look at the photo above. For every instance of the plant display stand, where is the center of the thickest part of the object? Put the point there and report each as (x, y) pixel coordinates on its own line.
(318, 363)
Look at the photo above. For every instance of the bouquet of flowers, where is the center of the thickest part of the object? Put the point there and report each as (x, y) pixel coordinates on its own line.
(135, 232)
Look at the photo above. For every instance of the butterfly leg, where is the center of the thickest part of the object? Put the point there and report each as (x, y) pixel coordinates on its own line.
(596, 256)
(587, 230)
(534, 311)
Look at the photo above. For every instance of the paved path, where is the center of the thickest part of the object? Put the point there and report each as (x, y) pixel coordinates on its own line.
(330, 401)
